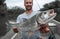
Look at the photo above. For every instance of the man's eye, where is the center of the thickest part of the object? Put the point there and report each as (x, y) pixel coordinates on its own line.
(26, 2)
(30, 2)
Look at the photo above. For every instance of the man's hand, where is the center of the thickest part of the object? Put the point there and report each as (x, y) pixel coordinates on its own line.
(15, 29)
(44, 28)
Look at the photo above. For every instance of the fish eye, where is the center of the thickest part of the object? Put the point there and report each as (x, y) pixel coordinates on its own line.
(44, 12)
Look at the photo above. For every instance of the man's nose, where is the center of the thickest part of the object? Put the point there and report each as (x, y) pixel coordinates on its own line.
(29, 4)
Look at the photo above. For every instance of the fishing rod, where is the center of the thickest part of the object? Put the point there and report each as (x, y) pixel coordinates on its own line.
(37, 3)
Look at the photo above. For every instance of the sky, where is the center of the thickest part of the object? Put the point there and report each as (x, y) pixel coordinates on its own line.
(37, 4)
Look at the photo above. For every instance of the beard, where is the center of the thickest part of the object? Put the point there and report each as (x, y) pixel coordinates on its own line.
(29, 8)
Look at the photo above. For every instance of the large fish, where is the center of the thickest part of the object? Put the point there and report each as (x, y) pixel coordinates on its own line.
(31, 24)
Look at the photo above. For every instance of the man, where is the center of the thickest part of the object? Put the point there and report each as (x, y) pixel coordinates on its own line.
(28, 14)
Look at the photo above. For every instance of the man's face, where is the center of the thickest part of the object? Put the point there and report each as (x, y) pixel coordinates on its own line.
(28, 4)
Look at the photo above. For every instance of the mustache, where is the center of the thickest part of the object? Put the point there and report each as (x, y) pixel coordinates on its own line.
(29, 6)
